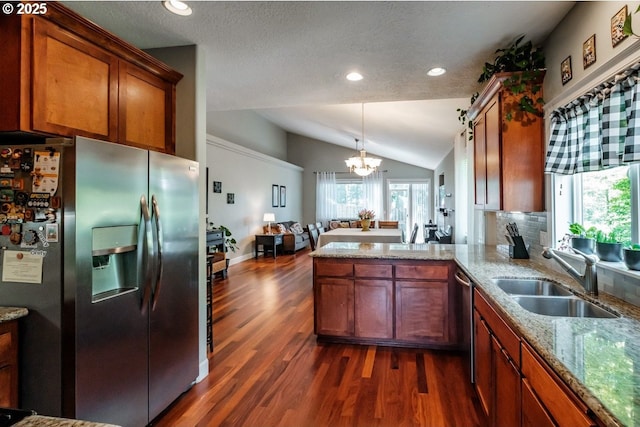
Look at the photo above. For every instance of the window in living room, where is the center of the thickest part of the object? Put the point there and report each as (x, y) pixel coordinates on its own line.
(409, 203)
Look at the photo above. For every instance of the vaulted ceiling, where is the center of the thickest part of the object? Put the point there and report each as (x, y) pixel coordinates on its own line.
(287, 61)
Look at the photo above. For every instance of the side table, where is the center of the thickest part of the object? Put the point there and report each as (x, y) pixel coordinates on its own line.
(268, 242)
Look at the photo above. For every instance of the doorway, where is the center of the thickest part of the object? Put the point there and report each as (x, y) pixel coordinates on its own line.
(409, 202)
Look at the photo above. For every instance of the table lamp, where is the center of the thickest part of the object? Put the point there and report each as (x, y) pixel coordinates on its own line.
(269, 217)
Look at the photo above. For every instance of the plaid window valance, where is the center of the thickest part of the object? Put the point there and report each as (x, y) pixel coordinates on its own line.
(599, 130)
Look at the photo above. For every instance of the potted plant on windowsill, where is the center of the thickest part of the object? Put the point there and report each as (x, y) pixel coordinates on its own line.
(632, 256)
(608, 247)
(583, 239)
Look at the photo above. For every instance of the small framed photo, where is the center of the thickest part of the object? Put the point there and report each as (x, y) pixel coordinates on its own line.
(565, 70)
(275, 195)
(217, 186)
(617, 24)
(589, 51)
(51, 232)
(231, 198)
(283, 196)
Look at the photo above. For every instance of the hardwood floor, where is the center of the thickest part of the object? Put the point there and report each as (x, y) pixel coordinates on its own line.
(268, 370)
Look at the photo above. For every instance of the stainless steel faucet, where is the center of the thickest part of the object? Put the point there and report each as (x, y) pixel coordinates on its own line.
(588, 280)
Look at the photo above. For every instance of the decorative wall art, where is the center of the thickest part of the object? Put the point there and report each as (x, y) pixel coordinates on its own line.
(230, 198)
(589, 51)
(275, 195)
(217, 187)
(283, 196)
(617, 24)
(565, 70)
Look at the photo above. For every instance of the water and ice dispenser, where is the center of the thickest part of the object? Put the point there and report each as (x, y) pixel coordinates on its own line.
(114, 261)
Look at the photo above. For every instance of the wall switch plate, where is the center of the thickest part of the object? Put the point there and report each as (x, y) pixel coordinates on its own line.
(544, 241)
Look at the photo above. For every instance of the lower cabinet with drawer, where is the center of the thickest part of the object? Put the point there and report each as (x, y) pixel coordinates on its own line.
(515, 386)
(390, 302)
(497, 361)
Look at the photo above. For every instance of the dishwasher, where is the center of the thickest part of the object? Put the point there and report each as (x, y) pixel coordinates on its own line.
(466, 320)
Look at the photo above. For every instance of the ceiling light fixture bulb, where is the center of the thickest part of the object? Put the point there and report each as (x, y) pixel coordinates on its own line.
(437, 71)
(354, 76)
(177, 7)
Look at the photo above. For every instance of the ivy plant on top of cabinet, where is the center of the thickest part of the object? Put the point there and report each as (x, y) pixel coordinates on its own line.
(62, 75)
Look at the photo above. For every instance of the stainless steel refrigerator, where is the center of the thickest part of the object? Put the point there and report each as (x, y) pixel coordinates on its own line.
(100, 242)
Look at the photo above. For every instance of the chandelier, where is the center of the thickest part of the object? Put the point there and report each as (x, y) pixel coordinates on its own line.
(361, 164)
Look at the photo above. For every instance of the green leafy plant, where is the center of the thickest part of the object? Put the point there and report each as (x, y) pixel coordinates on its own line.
(579, 230)
(627, 28)
(603, 237)
(528, 65)
(633, 247)
(229, 241)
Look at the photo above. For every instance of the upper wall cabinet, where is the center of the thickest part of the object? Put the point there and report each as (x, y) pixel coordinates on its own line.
(62, 75)
(508, 154)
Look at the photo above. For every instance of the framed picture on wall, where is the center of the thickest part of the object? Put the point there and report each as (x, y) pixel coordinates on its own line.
(565, 70)
(617, 24)
(275, 195)
(589, 51)
(283, 196)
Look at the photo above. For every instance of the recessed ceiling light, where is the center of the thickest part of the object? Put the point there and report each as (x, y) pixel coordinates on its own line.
(177, 7)
(437, 71)
(354, 76)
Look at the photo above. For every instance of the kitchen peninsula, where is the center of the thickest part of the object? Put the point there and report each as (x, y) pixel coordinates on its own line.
(579, 358)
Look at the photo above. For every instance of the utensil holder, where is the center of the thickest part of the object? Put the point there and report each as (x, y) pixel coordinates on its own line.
(518, 250)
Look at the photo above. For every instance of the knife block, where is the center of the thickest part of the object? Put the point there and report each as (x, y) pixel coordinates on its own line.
(518, 250)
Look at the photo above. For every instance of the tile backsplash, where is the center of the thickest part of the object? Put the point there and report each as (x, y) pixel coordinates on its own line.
(529, 225)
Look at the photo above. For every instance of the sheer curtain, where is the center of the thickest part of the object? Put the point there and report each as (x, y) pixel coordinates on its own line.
(372, 193)
(326, 196)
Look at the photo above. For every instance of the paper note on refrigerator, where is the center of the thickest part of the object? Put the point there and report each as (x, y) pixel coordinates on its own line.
(46, 170)
(22, 267)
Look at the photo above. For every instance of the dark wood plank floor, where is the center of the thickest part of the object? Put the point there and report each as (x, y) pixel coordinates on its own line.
(268, 370)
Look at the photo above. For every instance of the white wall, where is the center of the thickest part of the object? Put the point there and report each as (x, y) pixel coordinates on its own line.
(250, 130)
(249, 175)
(583, 20)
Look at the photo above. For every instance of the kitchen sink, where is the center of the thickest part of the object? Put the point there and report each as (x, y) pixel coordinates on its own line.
(536, 287)
(566, 307)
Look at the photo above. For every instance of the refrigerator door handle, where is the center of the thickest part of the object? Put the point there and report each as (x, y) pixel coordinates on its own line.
(158, 225)
(147, 243)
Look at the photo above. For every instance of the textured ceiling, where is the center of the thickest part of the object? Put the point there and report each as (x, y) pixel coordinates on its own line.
(288, 61)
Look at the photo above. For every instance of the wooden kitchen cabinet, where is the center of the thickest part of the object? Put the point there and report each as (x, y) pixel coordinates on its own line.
(534, 413)
(508, 155)
(404, 303)
(483, 363)
(62, 75)
(553, 396)
(497, 360)
(334, 307)
(422, 311)
(9, 364)
(373, 308)
(516, 387)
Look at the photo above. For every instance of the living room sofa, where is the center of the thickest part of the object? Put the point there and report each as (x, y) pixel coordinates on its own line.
(294, 239)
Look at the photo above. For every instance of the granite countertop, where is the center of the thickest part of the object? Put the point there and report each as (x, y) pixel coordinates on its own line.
(8, 314)
(595, 357)
(42, 421)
